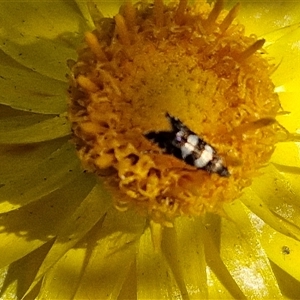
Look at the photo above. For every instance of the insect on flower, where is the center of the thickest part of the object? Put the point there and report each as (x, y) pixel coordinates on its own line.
(186, 145)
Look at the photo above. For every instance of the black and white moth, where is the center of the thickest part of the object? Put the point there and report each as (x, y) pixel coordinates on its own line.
(186, 145)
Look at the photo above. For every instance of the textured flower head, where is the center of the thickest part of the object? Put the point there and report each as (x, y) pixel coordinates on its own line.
(195, 62)
(61, 235)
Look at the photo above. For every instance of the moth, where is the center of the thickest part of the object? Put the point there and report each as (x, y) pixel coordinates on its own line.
(186, 145)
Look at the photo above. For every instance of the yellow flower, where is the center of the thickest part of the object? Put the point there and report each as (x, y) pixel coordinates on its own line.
(61, 235)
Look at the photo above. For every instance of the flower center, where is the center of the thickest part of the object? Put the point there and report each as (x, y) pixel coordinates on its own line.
(195, 64)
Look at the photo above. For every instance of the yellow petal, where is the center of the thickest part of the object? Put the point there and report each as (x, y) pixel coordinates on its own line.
(265, 16)
(17, 277)
(216, 289)
(103, 260)
(39, 181)
(217, 271)
(84, 217)
(155, 279)
(27, 90)
(282, 250)
(14, 131)
(183, 249)
(275, 190)
(243, 255)
(29, 227)
(16, 159)
(40, 34)
(258, 206)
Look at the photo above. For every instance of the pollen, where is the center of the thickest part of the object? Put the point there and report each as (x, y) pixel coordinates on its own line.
(194, 62)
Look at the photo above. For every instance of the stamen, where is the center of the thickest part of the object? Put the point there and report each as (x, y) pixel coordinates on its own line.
(130, 15)
(156, 235)
(87, 84)
(112, 82)
(179, 17)
(95, 46)
(230, 17)
(251, 126)
(293, 137)
(214, 14)
(159, 13)
(283, 112)
(122, 30)
(251, 50)
(275, 67)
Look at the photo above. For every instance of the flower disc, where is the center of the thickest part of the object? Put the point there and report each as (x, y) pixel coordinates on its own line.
(193, 62)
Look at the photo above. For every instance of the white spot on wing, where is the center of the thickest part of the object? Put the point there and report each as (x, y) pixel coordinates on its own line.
(186, 150)
(209, 149)
(193, 139)
(204, 159)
